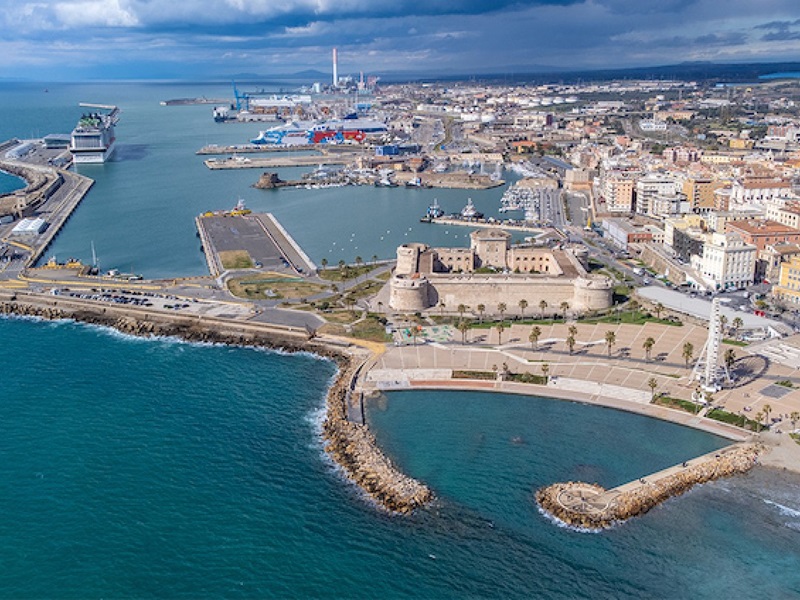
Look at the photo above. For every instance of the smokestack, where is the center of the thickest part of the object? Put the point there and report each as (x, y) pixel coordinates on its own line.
(335, 68)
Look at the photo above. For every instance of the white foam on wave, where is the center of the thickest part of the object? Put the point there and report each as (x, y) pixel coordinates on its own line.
(559, 523)
(786, 511)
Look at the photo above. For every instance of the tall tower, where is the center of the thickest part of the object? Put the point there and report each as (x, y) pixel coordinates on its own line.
(335, 68)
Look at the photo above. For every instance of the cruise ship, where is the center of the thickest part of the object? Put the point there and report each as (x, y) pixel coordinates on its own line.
(93, 139)
(334, 131)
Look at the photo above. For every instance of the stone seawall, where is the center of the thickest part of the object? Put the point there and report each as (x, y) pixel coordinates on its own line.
(354, 447)
(590, 507)
(350, 444)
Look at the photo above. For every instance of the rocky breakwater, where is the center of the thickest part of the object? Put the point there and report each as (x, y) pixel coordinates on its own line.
(271, 181)
(591, 507)
(355, 449)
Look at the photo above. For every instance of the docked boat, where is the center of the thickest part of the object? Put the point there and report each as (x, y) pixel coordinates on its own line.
(434, 210)
(469, 212)
(93, 139)
(332, 131)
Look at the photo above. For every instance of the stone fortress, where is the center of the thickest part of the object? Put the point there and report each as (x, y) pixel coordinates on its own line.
(492, 271)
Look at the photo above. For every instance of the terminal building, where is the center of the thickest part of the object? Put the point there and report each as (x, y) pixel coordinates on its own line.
(492, 271)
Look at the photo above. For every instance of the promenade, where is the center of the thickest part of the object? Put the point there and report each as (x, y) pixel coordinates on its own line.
(617, 379)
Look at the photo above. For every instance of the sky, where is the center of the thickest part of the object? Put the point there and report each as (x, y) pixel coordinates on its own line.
(152, 39)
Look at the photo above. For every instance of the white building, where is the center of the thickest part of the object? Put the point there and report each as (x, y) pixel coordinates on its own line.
(657, 195)
(727, 262)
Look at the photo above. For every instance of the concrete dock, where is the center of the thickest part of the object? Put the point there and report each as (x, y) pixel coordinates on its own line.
(239, 162)
(259, 237)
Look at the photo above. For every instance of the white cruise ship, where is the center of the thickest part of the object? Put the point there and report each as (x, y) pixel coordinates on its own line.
(93, 139)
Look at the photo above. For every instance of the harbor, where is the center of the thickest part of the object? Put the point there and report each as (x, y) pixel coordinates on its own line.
(239, 162)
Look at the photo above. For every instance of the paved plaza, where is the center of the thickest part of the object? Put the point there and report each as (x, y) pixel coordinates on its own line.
(590, 371)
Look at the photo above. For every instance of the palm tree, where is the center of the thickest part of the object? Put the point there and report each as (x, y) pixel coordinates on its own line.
(374, 259)
(324, 263)
(501, 308)
(648, 346)
(481, 310)
(573, 331)
(462, 308)
(737, 323)
(463, 327)
(729, 358)
(794, 417)
(688, 352)
(633, 305)
(723, 320)
(545, 371)
(767, 410)
(523, 304)
(543, 306)
(658, 308)
(570, 343)
(533, 338)
(500, 329)
(341, 264)
(611, 339)
(757, 418)
(564, 308)
(652, 384)
(414, 334)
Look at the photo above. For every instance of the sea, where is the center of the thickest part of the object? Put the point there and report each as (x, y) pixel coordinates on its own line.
(161, 469)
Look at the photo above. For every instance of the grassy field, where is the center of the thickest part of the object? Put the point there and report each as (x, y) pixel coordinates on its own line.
(371, 329)
(684, 405)
(733, 419)
(279, 286)
(235, 259)
(344, 274)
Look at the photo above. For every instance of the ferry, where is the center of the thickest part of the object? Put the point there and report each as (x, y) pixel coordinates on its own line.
(93, 139)
(334, 131)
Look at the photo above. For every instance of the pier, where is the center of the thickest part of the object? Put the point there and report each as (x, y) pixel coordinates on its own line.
(590, 507)
(238, 162)
(250, 241)
(252, 149)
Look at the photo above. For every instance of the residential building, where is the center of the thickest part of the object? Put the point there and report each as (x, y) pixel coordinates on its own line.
(761, 233)
(727, 262)
(699, 192)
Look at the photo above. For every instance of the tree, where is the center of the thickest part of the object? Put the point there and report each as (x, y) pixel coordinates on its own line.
(611, 339)
(767, 410)
(794, 417)
(374, 259)
(523, 304)
(737, 324)
(543, 306)
(652, 384)
(757, 418)
(414, 333)
(341, 264)
(463, 327)
(324, 263)
(570, 343)
(633, 305)
(688, 353)
(648, 346)
(481, 310)
(462, 308)
(501, 308)
(533, 338)
(545, 371)
(723, 320)
(573, 330)
(500, 329)
(658, 309)
(564, 308)
(729, 358)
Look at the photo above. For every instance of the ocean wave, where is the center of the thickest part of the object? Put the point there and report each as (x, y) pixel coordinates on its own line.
(563, 525)
(786, 511)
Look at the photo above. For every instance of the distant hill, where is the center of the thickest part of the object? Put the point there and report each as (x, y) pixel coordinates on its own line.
(688, 71)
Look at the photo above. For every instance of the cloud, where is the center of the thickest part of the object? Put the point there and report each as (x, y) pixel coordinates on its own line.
(208, 37)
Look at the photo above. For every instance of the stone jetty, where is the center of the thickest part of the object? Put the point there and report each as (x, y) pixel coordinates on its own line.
(350, 444)
(590, 507)
(271, 181)
(354, 447)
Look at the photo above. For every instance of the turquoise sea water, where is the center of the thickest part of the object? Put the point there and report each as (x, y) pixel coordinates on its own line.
(135, 468)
